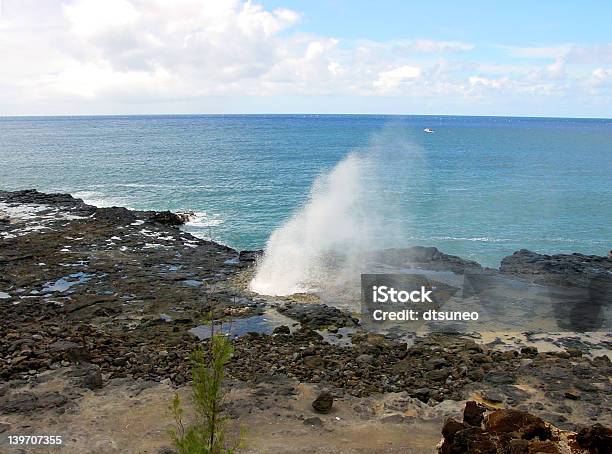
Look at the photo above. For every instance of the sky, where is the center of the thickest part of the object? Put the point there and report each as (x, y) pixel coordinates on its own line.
(101, 57)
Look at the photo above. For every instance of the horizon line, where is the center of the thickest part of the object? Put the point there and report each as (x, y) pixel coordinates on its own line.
(295, 114)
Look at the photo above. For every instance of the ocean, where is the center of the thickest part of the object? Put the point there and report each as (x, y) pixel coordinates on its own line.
(477, 187)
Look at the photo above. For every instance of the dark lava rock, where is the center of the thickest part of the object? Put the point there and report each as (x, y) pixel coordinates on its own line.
(169, 218)
(323, 403)
(512, 431)
(438, 374)
(283, 329)
(129, 283)
(565, 269)
(574, 352)
(473, 413)
(73, 351)
(364, 359)
(93, 378)
(597, 439)
(451, 427)
(30, 196)
(475, 374)
(468, 440)
(572, 394)
(436, 363)
(315, 316)
(500, 378)
(525, 424)
(250, 256)
(425, 257)
(51, 400)
(26, 402)
(422, 394)
(492, 396)
(529, 352)
(313, 361)
(23, 402)
(115, 215)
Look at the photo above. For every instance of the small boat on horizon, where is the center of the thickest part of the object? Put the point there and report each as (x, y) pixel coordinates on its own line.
(429, 130)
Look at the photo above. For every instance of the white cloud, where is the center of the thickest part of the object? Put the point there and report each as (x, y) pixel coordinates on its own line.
(149, 52)
(91, 80)
(570, 53)
(476, 81)
(92, 17)
(602, 74)
(554, 71)
(546, 52)
(429, 45)
(392, 79)
(600, 81)
(335, 68)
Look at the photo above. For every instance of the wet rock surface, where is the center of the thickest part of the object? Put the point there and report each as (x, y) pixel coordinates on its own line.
(317, 316)
(563, 269)
(426, 257)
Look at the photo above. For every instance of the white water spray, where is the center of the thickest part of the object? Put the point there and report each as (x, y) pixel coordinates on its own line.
(351, 212)
(332, 221)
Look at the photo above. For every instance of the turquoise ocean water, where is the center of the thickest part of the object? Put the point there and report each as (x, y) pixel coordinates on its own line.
(478, 187)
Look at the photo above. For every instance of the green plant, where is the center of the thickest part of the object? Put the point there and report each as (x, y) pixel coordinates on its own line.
(206, 435)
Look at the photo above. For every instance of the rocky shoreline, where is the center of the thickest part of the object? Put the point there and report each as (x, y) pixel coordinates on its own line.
(107, 299)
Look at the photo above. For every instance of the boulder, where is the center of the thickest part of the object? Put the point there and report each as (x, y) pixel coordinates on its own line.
(323, 403)
(423, 394)
(250, 256)
(93, 378)
(597, 439)
(521, 423)
(282, 329)
(317, 316)
(473, 413)
(485, 430)
(169, 218)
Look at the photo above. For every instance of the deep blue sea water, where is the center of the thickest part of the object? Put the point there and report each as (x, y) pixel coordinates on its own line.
(479, 187)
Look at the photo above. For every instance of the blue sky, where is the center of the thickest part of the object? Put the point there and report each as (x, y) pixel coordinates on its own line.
(538, 58)
(523, 23)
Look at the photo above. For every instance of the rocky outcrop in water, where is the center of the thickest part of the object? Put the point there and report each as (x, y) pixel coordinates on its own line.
(169, 218)
(318, 315)
(561, 269)
(425, 257)
(32, 196)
